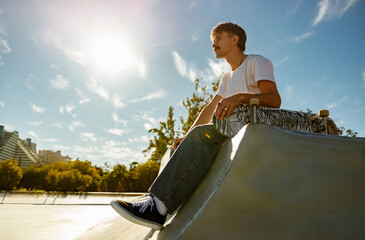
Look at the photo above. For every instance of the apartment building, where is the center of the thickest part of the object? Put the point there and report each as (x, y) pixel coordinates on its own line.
(11, 146)
(49, 156)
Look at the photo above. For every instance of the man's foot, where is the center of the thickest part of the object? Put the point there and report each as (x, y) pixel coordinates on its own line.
(142, 211)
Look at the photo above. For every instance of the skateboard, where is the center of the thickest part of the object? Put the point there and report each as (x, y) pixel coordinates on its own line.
(286, 119)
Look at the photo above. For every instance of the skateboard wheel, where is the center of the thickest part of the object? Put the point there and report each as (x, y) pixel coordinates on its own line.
(254, 101)
(323, 113)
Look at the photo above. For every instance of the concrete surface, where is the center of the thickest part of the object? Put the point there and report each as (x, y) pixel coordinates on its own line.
(269, 183)
(45, 222)
(55, 198)
(44, 216)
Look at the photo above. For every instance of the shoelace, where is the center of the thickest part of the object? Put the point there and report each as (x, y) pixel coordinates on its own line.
(143, 203)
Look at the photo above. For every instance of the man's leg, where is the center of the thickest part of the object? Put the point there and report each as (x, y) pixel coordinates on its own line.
(184, 171)
(187, 166)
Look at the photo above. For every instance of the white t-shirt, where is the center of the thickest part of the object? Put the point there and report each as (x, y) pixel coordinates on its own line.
(244, 79)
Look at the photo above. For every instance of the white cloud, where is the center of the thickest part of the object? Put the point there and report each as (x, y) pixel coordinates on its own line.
(335, 104)
(4, 49)
(117, 102)
(151, 121)
(75, 55)
(84, 98)
(53, 67)
(118, 120)
(156, 95)
(50, 139)
(117, 131)
(33, 134)
(82, 101)
(142, 139)
(95, 87)
(329, 9)
(289, 92)
(112, 150)
(88, 137)
(4, 46)
(68, 108)
(2, 104)
(294, 8)
(37, 109)
(180, 64)
(363, 78)
(60, 82)
(74, 125)
(299, 38)
(60, 147)
(215, 70)
(37, 123)
(282, 61)
(57, 125)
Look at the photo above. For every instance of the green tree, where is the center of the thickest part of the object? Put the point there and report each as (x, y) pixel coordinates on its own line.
(60, 176)
(166, 133)
(347, 132)
(164, 136)
(68, 180)
(195, 104)
(10, 174)
(143, 175)
(117, 180)
(88, 170)
(34, 177)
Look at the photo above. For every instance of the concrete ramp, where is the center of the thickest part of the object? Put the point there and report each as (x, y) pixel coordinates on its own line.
(269, 183)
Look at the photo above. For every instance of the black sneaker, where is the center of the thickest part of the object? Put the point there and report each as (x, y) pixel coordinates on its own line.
(141, 211)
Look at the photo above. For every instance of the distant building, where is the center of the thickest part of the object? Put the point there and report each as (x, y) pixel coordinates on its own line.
(48, 156)
(11, 146)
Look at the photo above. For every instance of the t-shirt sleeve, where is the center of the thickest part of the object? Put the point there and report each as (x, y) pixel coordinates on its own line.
(264, 69)
(222, 87)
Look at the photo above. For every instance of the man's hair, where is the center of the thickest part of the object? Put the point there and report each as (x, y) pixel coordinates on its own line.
(232, 29)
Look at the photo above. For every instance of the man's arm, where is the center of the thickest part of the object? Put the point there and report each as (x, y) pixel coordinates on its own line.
(204, 117)
(269, 97)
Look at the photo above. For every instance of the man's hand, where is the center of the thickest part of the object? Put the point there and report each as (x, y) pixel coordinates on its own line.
(177, 142)
(226, 105)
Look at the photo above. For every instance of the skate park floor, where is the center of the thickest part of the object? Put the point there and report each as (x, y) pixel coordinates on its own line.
(25, 216)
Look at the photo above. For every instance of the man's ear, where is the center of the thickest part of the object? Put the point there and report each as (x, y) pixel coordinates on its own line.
(235, 39)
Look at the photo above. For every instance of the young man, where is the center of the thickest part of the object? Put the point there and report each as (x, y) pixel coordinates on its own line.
(250, 76)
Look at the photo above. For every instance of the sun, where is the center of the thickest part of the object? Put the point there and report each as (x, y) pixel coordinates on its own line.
(111, 54)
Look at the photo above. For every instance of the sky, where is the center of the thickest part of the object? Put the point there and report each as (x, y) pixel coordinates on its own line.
(90, 78)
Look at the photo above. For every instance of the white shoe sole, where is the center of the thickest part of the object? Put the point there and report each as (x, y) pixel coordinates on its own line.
(127, 215)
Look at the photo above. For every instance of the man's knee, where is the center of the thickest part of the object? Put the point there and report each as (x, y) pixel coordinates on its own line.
(206, 133)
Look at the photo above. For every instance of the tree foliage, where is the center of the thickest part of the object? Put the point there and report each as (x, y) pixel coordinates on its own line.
(79, 176)
(167, 132)
(164, 136)
(10, 174)
(194, 105)
(347, 132)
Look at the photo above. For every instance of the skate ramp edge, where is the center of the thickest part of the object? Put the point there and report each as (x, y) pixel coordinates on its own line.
(268, 183)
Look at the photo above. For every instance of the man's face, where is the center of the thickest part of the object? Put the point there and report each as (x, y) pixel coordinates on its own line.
(222, 44)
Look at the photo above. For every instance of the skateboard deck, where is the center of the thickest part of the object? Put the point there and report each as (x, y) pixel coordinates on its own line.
(286, 119)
